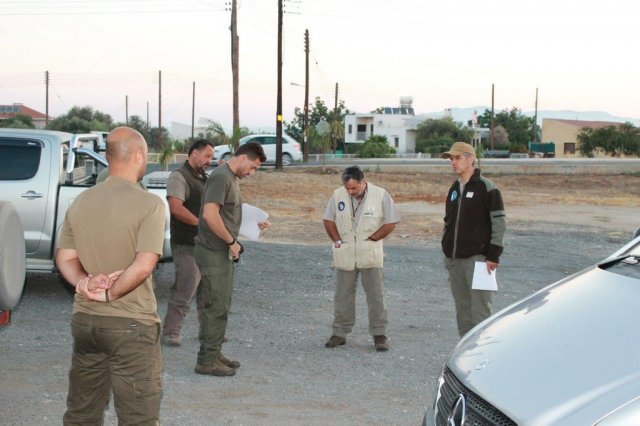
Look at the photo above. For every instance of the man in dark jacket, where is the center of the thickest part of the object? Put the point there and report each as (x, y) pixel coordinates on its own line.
(474, 227)
(185, 187)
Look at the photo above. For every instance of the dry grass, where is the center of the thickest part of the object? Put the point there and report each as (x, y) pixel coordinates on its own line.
(296, 199)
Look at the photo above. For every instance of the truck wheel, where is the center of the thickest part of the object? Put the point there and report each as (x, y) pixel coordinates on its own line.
(13, 262)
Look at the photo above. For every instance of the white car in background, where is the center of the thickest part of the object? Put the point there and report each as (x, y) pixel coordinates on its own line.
(291, 151)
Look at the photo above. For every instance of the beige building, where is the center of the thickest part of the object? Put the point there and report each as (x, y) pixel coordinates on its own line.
(564, 133)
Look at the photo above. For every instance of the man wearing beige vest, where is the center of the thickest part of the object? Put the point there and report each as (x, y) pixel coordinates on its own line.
(358, 217)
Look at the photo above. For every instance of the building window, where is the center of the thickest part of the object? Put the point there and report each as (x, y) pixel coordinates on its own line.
(350, 128)
(396, 141)
(569, 148)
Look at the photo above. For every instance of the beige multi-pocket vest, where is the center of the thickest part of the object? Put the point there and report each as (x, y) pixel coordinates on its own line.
(356, 251)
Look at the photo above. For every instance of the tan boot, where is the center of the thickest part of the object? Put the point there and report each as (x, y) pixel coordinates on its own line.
(216, 369)
(381, 343)
(335, 341)
(229, 362)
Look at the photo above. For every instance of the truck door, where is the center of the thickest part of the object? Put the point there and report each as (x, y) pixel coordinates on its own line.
(25, 183)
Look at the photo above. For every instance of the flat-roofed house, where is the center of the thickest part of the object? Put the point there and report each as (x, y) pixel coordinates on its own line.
(564, 133)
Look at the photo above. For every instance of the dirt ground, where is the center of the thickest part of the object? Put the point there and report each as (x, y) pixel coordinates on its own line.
(283, 302)
(295, 201)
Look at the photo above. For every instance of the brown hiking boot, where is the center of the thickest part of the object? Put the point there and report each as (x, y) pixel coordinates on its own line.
(335, 341)
(171, 340)
(381, 342)
(216, 369)
(229, 362)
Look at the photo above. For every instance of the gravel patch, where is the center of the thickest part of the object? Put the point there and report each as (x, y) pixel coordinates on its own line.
(281, 316)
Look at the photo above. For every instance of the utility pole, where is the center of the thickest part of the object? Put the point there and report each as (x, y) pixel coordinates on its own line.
(235, 71)
(46, 101)
(305, 120)
(535, 120)
(193, 111)
(147, 116)
(492, 114)
(334, 127)
(279, 101)
(159, 110)
(126, 109)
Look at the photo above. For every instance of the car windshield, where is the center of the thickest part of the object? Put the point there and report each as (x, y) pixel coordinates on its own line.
(629, 266)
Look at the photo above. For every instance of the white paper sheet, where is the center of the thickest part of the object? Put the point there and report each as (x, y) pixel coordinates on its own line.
(482, 279)
(251, 217)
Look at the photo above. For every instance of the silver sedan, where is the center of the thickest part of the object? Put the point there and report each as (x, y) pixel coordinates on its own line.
(567, 355)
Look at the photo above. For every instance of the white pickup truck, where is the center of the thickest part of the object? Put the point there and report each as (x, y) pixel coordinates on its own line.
(41, 173)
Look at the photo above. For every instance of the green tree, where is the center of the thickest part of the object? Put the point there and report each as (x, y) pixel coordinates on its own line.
(136, 122)
(517, 125)
(612, 140)
(82, 120)
(436, 135)
(214, 131)
(20, 121)
(317, 111)
(375, 147)
(152, 142)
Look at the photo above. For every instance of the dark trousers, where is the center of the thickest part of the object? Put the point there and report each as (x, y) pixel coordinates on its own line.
(114, 353)
(213, 299)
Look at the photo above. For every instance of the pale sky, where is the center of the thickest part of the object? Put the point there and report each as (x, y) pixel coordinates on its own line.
(578, 53)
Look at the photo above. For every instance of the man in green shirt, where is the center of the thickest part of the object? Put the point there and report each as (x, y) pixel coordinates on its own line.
(216, 250)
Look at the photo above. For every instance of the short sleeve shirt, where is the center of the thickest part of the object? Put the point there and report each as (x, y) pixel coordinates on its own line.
(223, 189)
(177, 186)
(107, 225)
(390, 215)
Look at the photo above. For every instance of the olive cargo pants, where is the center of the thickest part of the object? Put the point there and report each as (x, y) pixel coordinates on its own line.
(213, 299)
(472, 306)
(114, 353)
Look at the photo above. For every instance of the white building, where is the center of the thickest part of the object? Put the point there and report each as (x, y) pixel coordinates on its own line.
(398, 125)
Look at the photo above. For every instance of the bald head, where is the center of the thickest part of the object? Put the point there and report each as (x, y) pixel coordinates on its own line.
(126, 153)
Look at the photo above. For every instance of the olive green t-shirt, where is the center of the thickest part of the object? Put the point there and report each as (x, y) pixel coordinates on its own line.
(221, 188)
(107, 225)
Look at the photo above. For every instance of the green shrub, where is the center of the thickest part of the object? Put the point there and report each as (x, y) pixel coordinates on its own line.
(375, 147)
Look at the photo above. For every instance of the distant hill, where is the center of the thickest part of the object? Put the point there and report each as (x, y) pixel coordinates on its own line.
(465, 114)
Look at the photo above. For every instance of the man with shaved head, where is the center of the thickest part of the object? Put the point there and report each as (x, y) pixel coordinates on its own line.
(110, 243)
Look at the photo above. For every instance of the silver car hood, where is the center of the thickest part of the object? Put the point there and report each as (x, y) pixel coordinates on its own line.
(569, 354)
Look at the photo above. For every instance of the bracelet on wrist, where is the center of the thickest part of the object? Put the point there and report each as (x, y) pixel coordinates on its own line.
(232, 242)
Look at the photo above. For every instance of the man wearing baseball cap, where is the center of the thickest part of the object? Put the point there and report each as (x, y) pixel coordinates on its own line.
(474, 228)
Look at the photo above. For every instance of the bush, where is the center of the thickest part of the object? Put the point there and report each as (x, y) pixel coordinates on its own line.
(376, 147)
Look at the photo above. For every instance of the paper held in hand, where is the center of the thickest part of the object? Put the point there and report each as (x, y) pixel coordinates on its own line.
(482, 279)
(251, 217)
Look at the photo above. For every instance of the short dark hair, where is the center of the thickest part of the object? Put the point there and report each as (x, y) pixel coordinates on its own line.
(253, 150)
(200, 144)
(353, 172)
